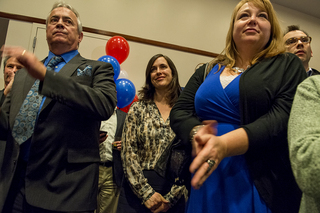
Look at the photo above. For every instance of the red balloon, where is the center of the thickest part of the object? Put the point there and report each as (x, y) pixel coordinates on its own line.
(118, 47)
(126, 108)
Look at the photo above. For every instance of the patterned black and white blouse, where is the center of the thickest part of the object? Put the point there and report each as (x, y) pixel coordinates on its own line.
(145, 136)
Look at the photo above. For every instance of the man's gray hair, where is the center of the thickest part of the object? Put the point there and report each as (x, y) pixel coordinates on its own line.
(68, 6)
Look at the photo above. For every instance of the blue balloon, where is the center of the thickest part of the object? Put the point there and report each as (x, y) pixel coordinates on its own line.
(125, 92)
(115, 64)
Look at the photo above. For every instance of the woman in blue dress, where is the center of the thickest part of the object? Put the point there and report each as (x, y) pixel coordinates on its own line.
(241, 159)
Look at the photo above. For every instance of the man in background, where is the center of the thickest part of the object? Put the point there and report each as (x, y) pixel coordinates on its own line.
(10, 67)
(50, 121)
(298, 42)
(110, 169)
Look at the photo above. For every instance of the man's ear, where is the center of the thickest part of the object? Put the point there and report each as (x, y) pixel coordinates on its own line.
(80, 37)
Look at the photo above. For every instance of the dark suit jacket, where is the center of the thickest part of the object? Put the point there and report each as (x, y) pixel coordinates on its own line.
(315, 72)
(2, 143)
(117, 164)
(62, 171)
(2, 97)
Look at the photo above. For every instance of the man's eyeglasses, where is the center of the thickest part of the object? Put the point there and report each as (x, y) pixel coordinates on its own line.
(294, 40)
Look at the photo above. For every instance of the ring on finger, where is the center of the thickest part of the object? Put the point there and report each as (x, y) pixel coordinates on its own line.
(211, 164)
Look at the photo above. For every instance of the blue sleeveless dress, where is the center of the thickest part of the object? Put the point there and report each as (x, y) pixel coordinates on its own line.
(229, 189)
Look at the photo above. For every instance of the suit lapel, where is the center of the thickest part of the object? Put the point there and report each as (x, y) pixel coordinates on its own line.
(72, 65)
(29, 81)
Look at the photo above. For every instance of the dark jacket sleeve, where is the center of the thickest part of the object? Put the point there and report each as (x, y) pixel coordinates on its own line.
(2, 97)
(267, 96)
(183, 116)
(121, 117)
(4, 118)
(94, 95)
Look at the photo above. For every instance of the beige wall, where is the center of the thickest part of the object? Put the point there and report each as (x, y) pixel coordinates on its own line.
(308, 23)
(200, 24)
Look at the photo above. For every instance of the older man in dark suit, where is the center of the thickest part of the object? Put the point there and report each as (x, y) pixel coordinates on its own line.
(52, 158)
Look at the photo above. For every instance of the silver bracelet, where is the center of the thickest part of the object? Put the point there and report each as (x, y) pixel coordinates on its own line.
(194, 131)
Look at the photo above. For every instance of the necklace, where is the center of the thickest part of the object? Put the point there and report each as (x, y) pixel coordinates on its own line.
(239, 70)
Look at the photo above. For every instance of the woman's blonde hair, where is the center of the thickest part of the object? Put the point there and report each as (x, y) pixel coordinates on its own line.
(274, 46)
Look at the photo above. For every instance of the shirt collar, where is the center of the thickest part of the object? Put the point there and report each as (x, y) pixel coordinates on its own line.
(309, 72)
(66, 56)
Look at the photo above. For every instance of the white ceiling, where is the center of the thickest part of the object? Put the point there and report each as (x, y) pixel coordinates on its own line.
(310, 7)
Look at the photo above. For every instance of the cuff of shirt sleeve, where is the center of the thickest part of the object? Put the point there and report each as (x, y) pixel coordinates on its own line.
(171, 199)
(147, 194)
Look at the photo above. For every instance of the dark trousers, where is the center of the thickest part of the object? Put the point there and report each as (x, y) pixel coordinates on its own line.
(130, 203)
(16, 199)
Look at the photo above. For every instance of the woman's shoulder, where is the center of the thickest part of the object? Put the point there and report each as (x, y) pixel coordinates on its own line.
(283, 59)
(286, 56)
(202, 70)
(139, 109)
(141, 104)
